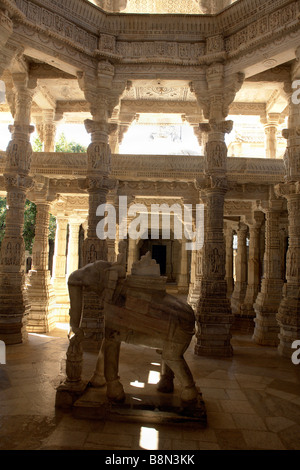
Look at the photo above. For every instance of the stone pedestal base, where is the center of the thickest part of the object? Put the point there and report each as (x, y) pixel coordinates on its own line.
(182, 289)
(171, 288)
(266, 330)
(14, 309)
(289, 324)
(243, 323)
(41, 296)
(160, 408)
(213, 335)
(62, 300)
(62, 313)
(182, 284)
(68, 392)
(266, 307)
(214, 320)
(238, 297)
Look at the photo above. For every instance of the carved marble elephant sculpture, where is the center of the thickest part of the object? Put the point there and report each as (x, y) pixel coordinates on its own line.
(137, 310)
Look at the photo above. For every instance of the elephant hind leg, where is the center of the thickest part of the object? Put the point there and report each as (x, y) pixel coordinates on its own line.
(166, 383)
(115, 391)
(98, 379)
(173, 356)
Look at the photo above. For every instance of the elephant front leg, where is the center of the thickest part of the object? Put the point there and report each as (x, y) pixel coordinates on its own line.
(115, 391)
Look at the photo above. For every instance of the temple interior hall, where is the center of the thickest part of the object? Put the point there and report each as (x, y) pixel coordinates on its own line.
(150, 196)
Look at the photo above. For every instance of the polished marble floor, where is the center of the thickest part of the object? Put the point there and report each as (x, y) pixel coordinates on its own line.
(252, 401)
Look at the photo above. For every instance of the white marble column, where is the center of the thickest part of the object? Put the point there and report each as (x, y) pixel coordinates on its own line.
(49, 130)
(268, 300)
(14, 305)
(288, 315)
(240, 286)
(213, 313)
(59, 269)
(40, 290)
(133, 253)
(183, 275)
(271, 123)
(247, 313)
(229, 260)
(73, 245)
(103, 93)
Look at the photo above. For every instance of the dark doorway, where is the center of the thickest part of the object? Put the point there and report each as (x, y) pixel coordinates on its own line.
(159, 253)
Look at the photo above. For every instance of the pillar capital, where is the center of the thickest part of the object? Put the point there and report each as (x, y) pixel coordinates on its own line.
(255, 220)
(217, 91)
(102, 91)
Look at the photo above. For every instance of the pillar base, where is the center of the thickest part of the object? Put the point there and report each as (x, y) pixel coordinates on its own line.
(13, 329)
(243, 323)
(288, 318)
(214, 321)
(266, 331)
(62, 300)
(14, 308)
(237, 299)
(41, 296)
(214, 335)
(62, 313)
(182, 289)
(266, 328)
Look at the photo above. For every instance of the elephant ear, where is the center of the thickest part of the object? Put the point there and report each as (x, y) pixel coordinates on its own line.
(110, 282)
(102, 278)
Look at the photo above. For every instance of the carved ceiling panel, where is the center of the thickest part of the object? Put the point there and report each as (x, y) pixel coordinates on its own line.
(159, 90)
(163, 6)
(63, 89)
(256, 92)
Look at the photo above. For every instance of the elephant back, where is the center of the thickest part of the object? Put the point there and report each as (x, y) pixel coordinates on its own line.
(142, 307)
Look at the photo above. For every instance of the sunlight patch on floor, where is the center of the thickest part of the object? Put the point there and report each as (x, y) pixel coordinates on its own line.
(137, 384)
(149, 438)
(153, 377)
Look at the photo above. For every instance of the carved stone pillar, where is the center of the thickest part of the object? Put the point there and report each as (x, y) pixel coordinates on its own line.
(14, 306)
(268, 300)
(289, 310)
(246, 319)
(240, 286)
(213, 313)
(40, 290)
(133, 253)
(73, 245)
(229, 260)
(196, 276)
(59, 269)
(103, 94)
(98, 186)
(46, 129)
(49, 130)
(183, 275)
(271, 123)
(114, 140)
